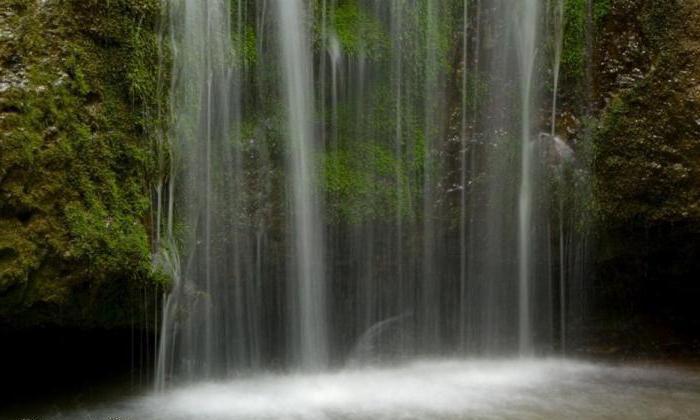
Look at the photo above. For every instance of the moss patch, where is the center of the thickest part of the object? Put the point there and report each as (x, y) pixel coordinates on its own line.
(648, 140)
(77, 117)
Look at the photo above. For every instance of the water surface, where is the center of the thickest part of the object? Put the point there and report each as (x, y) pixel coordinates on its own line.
(514, 389)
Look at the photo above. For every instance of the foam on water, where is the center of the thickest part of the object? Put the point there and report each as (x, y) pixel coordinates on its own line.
(530, 389)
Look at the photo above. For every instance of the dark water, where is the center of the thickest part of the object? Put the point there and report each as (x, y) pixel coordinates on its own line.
(446, 389)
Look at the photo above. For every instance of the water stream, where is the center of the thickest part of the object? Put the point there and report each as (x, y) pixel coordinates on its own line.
(319, 185)
(307, 291)
(360, 218)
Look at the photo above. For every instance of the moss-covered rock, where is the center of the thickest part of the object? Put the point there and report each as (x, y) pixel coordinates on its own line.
(646, 134)
(648, 138)
(78, 113)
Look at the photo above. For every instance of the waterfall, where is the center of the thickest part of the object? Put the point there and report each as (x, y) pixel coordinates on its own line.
(433, 134)
(558, 36)
(396, 25)
(558, 46)
(207, 269)
(470, 315)
(307, 295)
(353, 175)
(527, 34)
(463, 179)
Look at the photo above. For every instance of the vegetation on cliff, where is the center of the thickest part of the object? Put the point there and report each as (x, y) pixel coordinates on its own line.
(78, 114)
(646, 136)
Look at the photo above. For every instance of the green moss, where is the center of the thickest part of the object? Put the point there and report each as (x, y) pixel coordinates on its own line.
(243, 35)
(646, 145)
(361, 183)
(248, 46)
(76, 157)
(646, 159)
(356, 30)
(574, 43)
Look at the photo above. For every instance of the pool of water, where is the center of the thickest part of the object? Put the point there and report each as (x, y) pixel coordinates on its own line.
(514, 389)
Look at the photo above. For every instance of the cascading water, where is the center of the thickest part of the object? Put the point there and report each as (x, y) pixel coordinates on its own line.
(527, 24)
(204, 316)
(433, 135)
(558, 37)
(307, 294)
(463, 154)
(419, 229)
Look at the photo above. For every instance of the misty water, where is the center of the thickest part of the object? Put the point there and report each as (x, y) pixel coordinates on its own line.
(448, 389)
(317, 187)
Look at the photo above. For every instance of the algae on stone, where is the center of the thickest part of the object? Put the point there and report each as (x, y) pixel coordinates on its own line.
(78, 101)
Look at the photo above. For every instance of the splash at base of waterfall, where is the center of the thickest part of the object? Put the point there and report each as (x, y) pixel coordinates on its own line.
(450, 389)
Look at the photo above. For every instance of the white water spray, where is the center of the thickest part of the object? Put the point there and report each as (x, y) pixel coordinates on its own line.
(307, 294)
(527, 38)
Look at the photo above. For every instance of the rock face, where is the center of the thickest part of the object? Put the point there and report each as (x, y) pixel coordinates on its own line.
(648, 148)
(79, 100)
(647, 164)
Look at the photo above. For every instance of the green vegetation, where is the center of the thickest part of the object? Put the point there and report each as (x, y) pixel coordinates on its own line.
(574, 43)
(359, 183)
(647, 150)
(356, 31)
(647, 163)
(76, 157)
